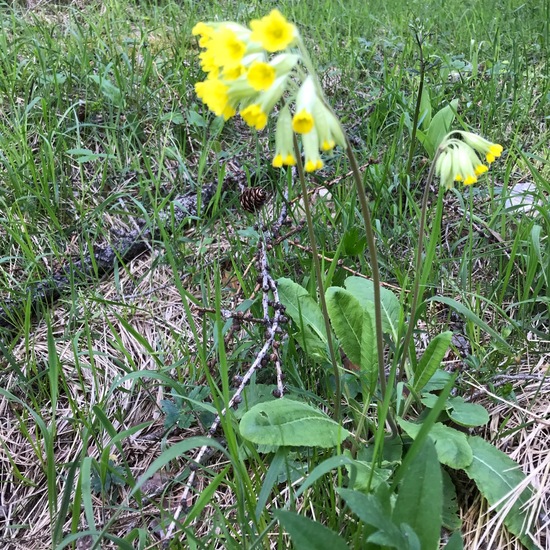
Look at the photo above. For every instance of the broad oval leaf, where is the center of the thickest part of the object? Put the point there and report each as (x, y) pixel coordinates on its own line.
(451, 445)
(284, 422)
(346, 316)
(502, 482)
(363, 290)
(466, 414)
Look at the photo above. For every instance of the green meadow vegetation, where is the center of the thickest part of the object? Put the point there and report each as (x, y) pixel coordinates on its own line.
(406, 324)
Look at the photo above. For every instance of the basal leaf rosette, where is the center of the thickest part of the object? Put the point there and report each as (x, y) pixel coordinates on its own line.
(250, 71)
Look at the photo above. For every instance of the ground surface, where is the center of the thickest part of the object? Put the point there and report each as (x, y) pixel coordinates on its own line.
(100, 130)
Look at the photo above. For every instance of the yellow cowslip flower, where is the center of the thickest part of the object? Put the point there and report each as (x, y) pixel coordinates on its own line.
(226, 47)
(284, 144)
(243, 77)
(273, 31)
(208, 65)
(205, 32)
(458, 159)
(483, 146)
(255, 113)
(234, 72)
(466, 164)
(444, 168)
(260, 75)
(328, 128)
(254, 116)
(312, 160)
(303, 120)
(228, 112)
(213, 93)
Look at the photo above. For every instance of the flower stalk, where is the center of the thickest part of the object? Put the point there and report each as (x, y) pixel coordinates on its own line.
(244, 77)
(319, 276)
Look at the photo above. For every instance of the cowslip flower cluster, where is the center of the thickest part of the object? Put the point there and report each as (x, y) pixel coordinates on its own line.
(244, 77)
(459, 158)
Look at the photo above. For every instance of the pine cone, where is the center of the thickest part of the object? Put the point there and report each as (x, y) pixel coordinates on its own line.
(253, 198)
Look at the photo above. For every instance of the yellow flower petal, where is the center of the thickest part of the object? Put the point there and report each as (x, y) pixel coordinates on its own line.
(261, 75)
(213, 93)
(273, 31)
(254, 116)
(302, 122)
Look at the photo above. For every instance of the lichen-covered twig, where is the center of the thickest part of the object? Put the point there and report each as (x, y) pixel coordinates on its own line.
(273, 319)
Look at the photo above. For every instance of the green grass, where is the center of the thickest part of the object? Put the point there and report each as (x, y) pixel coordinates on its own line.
(100, 127)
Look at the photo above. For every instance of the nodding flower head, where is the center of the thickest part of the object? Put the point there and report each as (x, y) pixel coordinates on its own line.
(458, 159)
(244, 77)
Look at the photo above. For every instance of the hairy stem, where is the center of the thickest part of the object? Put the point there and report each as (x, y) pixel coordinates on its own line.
(319, 276)
(371, 243)
(418, 102)
(417, 291)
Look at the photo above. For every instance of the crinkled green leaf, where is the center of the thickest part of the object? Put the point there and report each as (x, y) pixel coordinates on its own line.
(455, 542)
(361, 474)
(439, 127)
(431, 360)
(284, 422)
(425, 108)
(392, 451)
(450, 512)
(306, 314)
(371, 511)
(346, 316)
(499, 479)
(363, 290)
(419, 501)
(438, 381)
(307, 534)
(369, 350)
(451, 445)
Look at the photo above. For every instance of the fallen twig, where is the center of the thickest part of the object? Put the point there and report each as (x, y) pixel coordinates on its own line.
(273, 318)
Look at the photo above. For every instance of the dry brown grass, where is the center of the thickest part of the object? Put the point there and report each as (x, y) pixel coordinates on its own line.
(153, 308)
(521, 429)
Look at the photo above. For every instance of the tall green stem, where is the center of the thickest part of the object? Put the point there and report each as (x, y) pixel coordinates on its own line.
(418, 103)
(417, 291)
(371, 243)
(319, 276)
